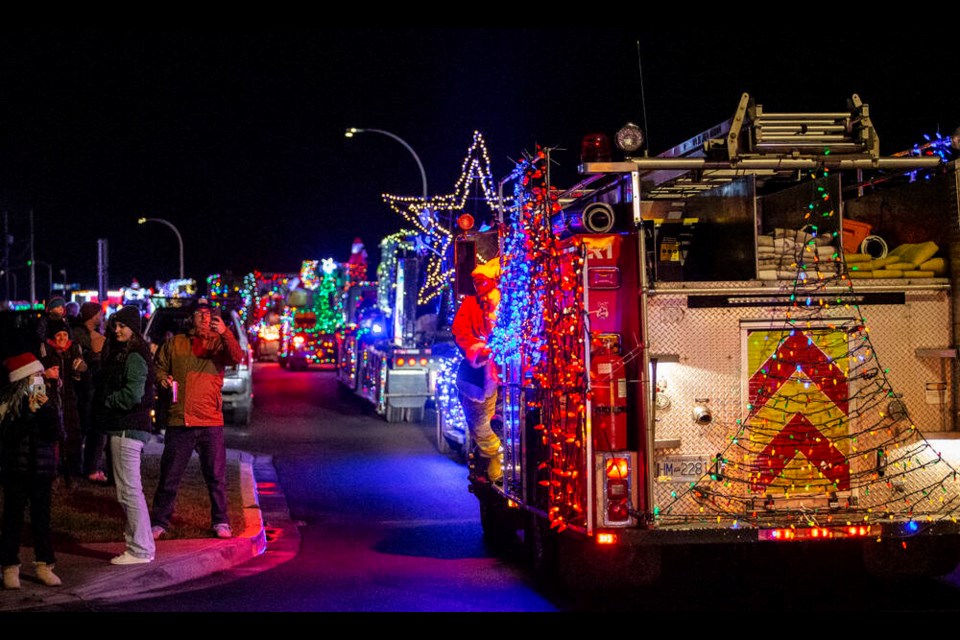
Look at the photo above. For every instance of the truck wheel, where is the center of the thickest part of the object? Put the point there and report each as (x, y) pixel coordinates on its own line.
(442, 445)
(497, 521)
(931, 556)
(543, 548)
(241, 416)
(394, 414)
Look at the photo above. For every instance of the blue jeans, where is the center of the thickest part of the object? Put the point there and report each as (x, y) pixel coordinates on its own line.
(126, 454)
(179, 443)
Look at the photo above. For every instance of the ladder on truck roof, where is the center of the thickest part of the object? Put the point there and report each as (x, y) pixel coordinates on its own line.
(763, 144)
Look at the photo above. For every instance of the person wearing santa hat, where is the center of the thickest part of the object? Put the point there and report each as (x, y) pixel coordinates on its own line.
(30, 429)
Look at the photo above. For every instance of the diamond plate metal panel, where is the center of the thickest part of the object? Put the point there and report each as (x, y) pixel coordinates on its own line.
(907, 338)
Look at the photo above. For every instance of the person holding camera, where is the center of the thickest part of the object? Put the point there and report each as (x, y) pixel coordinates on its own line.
(193, 364)
(30, 430)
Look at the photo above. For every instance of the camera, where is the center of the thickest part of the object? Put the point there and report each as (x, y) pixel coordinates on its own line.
(37, 385)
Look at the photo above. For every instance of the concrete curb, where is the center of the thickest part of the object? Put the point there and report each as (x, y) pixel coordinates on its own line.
(88, 575)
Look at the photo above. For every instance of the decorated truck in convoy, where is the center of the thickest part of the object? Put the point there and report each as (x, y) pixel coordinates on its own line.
(748, 340)
(384, 349)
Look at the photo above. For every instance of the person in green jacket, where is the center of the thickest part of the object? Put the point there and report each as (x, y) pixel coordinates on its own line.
(124, 400)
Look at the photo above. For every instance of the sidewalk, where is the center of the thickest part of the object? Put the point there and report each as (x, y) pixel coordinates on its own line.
(88, 575)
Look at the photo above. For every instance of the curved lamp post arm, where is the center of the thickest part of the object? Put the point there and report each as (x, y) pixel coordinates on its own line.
(175, 230)
(423, 174)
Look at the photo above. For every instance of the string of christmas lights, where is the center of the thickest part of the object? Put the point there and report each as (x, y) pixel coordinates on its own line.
(539, 336)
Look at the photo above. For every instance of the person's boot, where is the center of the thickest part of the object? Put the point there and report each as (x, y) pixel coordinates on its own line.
(490, 450)
(495, 469)
(11, 577)
(46, 575)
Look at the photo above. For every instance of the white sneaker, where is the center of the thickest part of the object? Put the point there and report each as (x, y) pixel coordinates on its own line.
(156, 531)
(128, 558)
(223, 531)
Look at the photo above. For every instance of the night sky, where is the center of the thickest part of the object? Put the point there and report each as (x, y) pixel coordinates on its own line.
(238, 138)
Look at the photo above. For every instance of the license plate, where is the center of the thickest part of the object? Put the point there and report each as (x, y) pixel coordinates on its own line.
(682, 468)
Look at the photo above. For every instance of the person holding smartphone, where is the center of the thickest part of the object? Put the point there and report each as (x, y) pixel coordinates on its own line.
(195, 363)
(30, 429)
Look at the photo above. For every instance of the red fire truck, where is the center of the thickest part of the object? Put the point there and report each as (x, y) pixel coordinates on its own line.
(747, 340)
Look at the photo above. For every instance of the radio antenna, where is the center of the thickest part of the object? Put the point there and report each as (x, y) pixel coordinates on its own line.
(643, 99)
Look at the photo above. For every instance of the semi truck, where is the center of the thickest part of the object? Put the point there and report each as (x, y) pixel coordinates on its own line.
(747, 341)
(384, 352)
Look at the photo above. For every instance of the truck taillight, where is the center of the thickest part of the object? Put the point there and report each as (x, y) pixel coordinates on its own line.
(423, 362)
(400, 362)
(616, 493)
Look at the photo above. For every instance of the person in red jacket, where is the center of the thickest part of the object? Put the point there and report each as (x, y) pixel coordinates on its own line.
(195, 361)
(477, 376)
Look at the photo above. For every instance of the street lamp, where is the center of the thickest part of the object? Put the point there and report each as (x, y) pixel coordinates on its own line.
(179, 238)
(423, 174)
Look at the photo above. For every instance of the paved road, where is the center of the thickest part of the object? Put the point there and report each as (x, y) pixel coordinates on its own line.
(386, 521)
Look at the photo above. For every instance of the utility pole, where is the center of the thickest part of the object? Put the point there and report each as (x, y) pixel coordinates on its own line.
(33, 275)
(6, 256)
(102, 270)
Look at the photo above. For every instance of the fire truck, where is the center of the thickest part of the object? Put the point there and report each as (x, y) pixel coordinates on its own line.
(384, 353)
(748, 340)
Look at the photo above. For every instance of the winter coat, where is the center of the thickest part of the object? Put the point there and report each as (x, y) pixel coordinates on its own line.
(125, 393)
(30, 441)
(69, 379)
(197, 364)
(471, 328)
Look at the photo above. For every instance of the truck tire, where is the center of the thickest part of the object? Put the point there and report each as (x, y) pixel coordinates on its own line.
(543, 550)
(443, 446)
(930, 556)
(393, 414)
(241, 416)
(497, 520)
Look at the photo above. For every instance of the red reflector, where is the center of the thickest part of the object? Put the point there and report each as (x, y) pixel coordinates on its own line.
(617, 512)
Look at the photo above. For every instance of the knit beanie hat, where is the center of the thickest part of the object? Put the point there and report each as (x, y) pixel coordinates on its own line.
(56, 301)
(56, 326)
(128, 315)
(489, 269)
(22, 366)
(88, 310)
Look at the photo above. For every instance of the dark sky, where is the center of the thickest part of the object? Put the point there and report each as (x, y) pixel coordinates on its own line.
(237, 137)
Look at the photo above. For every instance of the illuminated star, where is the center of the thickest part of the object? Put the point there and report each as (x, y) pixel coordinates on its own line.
(423, 214)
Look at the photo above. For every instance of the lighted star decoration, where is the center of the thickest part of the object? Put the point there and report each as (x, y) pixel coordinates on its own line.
(422, 214)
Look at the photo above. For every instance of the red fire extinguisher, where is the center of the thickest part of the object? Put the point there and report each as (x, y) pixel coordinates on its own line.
(608, 380)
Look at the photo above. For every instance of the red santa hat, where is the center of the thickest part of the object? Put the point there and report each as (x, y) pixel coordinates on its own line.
(22, 366)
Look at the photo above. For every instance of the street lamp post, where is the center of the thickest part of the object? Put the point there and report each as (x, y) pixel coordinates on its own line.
(423, 174)
(175, 230)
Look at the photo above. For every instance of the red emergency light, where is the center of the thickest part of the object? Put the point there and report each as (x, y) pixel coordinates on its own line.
(595, 147)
